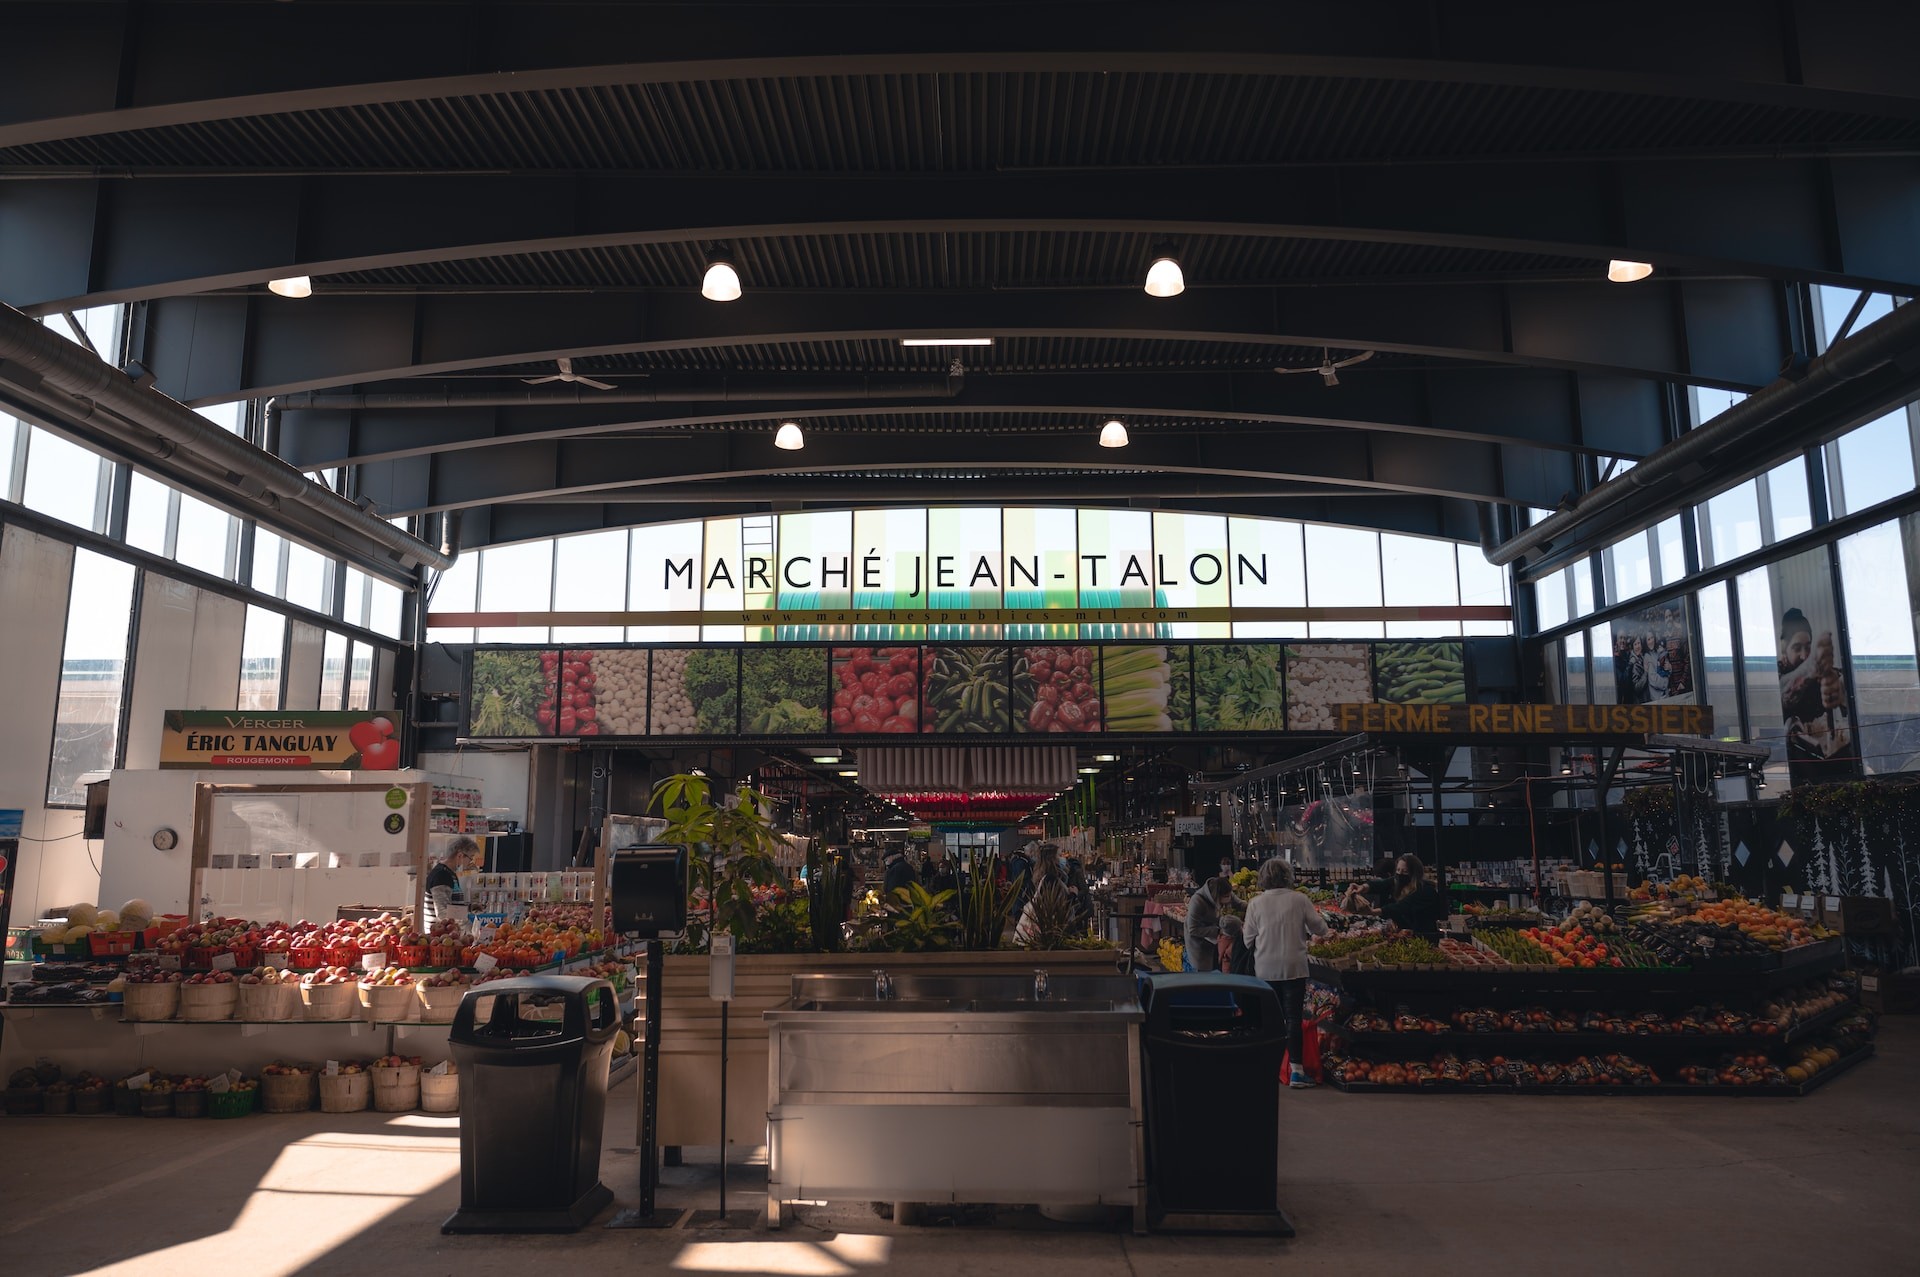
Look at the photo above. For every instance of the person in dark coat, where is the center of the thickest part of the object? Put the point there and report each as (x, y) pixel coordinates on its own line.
(1234, 940)
(899, 871)
(940, 873)
(1203, 923)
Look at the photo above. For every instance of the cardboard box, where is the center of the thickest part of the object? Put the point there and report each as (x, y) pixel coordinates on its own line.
(1864, 916)
(1890, 994)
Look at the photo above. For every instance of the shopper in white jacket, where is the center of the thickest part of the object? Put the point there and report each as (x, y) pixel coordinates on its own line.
(1279, 922)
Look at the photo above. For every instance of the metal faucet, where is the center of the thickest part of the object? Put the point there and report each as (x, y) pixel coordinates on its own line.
(882, 986)
(1042, 989)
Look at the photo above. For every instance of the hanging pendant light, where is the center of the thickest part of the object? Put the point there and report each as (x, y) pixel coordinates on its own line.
(721, 282)
(1114, 434)
(789, 437)
(1164, 278)
(1625, 272)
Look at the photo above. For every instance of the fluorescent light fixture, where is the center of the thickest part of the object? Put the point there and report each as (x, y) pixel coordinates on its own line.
(849, 771)
(946, 341)
(826, 758)
(1089, 771)
(1114, 434)
(1626, 272)
(1106, 758)
(789, 437)
(721, 282)
(292, 286)
(1163, 277)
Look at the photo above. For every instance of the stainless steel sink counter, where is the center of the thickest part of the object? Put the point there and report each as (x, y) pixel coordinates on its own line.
(1005, 1089)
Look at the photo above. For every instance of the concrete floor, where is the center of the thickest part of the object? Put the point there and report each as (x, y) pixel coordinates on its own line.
(1389, 1184)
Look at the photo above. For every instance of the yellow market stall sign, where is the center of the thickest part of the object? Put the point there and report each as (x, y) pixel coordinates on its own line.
(330, 740)
(1527, 720)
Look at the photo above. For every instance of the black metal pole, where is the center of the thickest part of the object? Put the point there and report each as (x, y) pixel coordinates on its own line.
(723, 1111)
(650, 1083)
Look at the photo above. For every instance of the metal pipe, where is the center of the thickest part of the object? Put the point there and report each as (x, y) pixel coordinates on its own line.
(947, 387)
(1873, 347)
(186, 437)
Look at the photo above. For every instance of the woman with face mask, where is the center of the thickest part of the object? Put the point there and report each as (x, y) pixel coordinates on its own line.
(1414, 903)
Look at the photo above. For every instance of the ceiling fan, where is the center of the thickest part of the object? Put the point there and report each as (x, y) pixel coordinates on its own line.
(567, 374)
(1328, 366)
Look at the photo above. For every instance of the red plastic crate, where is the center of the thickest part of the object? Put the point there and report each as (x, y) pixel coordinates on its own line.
(112, 944)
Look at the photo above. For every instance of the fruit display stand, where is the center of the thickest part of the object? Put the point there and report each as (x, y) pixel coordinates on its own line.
(1774, 1024)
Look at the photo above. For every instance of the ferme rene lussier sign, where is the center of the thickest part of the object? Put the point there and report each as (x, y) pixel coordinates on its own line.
(1527, 720)
(330, 740)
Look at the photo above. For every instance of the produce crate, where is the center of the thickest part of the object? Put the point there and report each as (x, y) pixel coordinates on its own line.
(410, 955)
(190, 1103)
(156, 1103)
(113, 944)
(90, 1101)
(146, 1002)
(23, 1101)
(208, 1001)
(307, 957)
(126, 1103)
(330, 1001)
(440, 1092)
(59, 1100)
(232, 1103)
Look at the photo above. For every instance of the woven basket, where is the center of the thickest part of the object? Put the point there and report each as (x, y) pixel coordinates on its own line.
(268, 1003)
(396, 1089)
(156, 1103)
(286, 1092)
(345, 1092)
(208, 1001)
(437, 1004)
(58, 1101)
(390, 1003)
(190, 1103)
(150, 1002)
(90, 1101)
(440, 1093)
(330, 1001)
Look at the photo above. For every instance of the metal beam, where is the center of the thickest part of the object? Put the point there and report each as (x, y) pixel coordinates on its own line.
(78, 69)
(1385, 512)
(1721, 333)
(549, 470)
(87, 242)
(1574, 412)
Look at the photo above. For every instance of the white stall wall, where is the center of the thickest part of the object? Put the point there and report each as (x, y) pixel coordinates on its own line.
(54, 867)
(502, 776)
(141, 802)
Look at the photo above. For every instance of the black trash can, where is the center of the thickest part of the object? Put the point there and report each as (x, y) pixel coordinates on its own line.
(532, 1054)
(1213, 1046)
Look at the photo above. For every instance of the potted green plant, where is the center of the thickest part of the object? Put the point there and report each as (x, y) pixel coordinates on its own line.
(735, 843)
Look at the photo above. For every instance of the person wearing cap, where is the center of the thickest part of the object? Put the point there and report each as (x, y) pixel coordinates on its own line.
(443, 880)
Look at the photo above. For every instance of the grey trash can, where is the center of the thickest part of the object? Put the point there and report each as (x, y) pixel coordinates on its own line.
(532, 1055)
(1213, 1045)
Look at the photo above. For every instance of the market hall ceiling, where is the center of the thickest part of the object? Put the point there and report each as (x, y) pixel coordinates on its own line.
(477, 191)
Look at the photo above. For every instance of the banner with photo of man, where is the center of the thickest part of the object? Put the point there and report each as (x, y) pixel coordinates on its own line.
(1814, 706)
(1653, 655)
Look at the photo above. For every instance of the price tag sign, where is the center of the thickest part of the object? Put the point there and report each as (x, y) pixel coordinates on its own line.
(1789, 901)
(373, 961)
(485, 963)
(219, 1084)
(168, 962)
(441, 1069)
(139, 1081)
(1833, 904)
(234, 1075)
(332, 1069)
(223, 962)
(278, 961)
